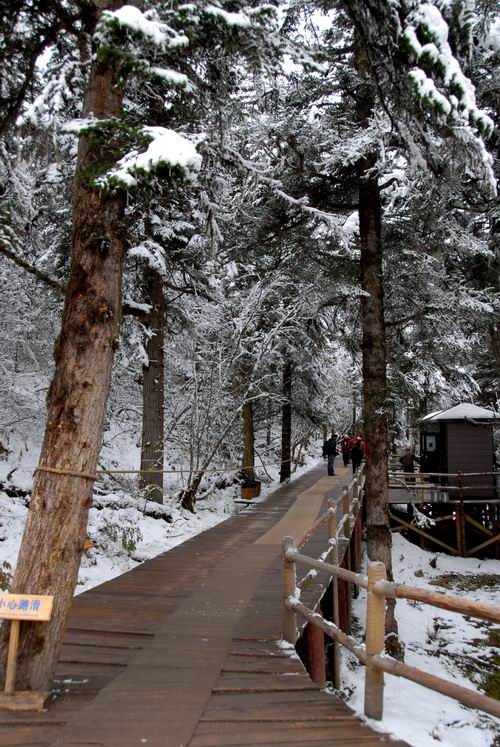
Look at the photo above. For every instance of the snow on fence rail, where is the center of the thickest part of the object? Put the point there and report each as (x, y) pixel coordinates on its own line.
(371, 654)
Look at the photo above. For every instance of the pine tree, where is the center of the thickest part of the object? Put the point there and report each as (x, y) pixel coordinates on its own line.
(125, 40)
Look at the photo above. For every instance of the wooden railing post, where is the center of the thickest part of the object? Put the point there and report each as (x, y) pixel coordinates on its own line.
(347, 555)
(460, 518)
(359, 532)
(10, 677)
(334, 560)
(375, 632)
(354, 544)
(355, 489)
(289, 586)
(346, 510)
(315, 639)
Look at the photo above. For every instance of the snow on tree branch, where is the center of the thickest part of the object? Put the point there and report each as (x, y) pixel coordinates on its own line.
(167, 150)
(145, 25)
(427, 24)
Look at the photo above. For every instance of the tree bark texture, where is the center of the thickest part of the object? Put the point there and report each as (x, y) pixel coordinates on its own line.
(286, 423)
(248, 458)
(54, 534)
(189, 495)
(153, 383)
(379, 539)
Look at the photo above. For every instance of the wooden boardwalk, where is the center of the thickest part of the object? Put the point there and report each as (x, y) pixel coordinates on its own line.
(184, 649)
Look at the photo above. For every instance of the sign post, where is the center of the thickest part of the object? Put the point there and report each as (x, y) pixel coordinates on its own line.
(17, 607)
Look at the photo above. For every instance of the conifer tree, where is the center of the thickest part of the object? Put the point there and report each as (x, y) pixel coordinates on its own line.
(126, 42)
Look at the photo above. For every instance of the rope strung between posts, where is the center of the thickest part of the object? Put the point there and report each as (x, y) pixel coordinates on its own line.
(88, 476)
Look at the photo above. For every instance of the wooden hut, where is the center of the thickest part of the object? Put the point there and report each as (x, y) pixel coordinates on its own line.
(460, 439)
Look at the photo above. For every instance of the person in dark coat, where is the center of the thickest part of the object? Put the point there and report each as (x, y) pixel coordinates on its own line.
(408, 459)
(330, 452)
(345, 447)
(357, 454)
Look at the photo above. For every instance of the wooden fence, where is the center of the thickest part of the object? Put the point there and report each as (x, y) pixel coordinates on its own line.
(423, 489)
(371, 653)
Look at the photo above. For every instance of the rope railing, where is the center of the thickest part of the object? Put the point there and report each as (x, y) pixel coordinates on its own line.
(99, 473)
(371, 654)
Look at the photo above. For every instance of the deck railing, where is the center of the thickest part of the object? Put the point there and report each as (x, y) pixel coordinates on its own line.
(430, 488)
(371, 653)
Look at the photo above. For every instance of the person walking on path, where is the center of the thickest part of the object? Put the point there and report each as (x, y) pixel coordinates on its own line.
(408, 459)
(357, 454)
(330, 452)
(345, 447)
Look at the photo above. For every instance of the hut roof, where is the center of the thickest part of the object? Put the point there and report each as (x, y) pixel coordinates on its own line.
(464, 411)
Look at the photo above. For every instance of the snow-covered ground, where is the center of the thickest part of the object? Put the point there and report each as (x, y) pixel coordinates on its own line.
(121, 527)
(443, 643)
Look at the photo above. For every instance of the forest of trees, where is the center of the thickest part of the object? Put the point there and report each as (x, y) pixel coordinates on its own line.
(236, 219)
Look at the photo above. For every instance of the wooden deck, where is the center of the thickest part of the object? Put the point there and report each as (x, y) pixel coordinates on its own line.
(184, 649)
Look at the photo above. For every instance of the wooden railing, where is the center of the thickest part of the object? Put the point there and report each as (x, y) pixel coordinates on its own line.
(371, 654)
(347, 530)
(424, 486)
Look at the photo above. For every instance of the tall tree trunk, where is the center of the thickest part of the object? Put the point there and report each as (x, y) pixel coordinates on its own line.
(53, 538)
(286, 423)
(153, 382)
(379, 540)
(248, 458)
(374, 370)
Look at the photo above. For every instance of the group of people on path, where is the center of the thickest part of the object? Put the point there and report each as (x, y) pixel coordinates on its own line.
(352, 449)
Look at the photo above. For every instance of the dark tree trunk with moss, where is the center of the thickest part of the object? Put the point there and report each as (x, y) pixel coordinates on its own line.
(153, 383)
(379, 539)
(55, 530)
(286, 423)
(248, 457)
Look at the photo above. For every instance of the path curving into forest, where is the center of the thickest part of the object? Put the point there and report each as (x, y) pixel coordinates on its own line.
(183, 650)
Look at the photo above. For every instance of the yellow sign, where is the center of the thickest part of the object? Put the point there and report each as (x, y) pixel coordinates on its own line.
(25, 607)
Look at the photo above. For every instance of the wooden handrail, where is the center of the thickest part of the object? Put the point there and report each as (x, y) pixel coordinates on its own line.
(358, 480)
(482, 610)
(291, 555)
(378, 590)
(423, 488)
(463, 694)
(332, 570)
(443, 474)
(329, 628)
(314, 527)
(390, 589)
(387, 664)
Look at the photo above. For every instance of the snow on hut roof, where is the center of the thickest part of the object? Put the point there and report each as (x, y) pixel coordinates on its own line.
(464, 411)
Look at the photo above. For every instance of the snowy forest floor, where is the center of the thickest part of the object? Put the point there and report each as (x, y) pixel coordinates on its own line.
(444, 643)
